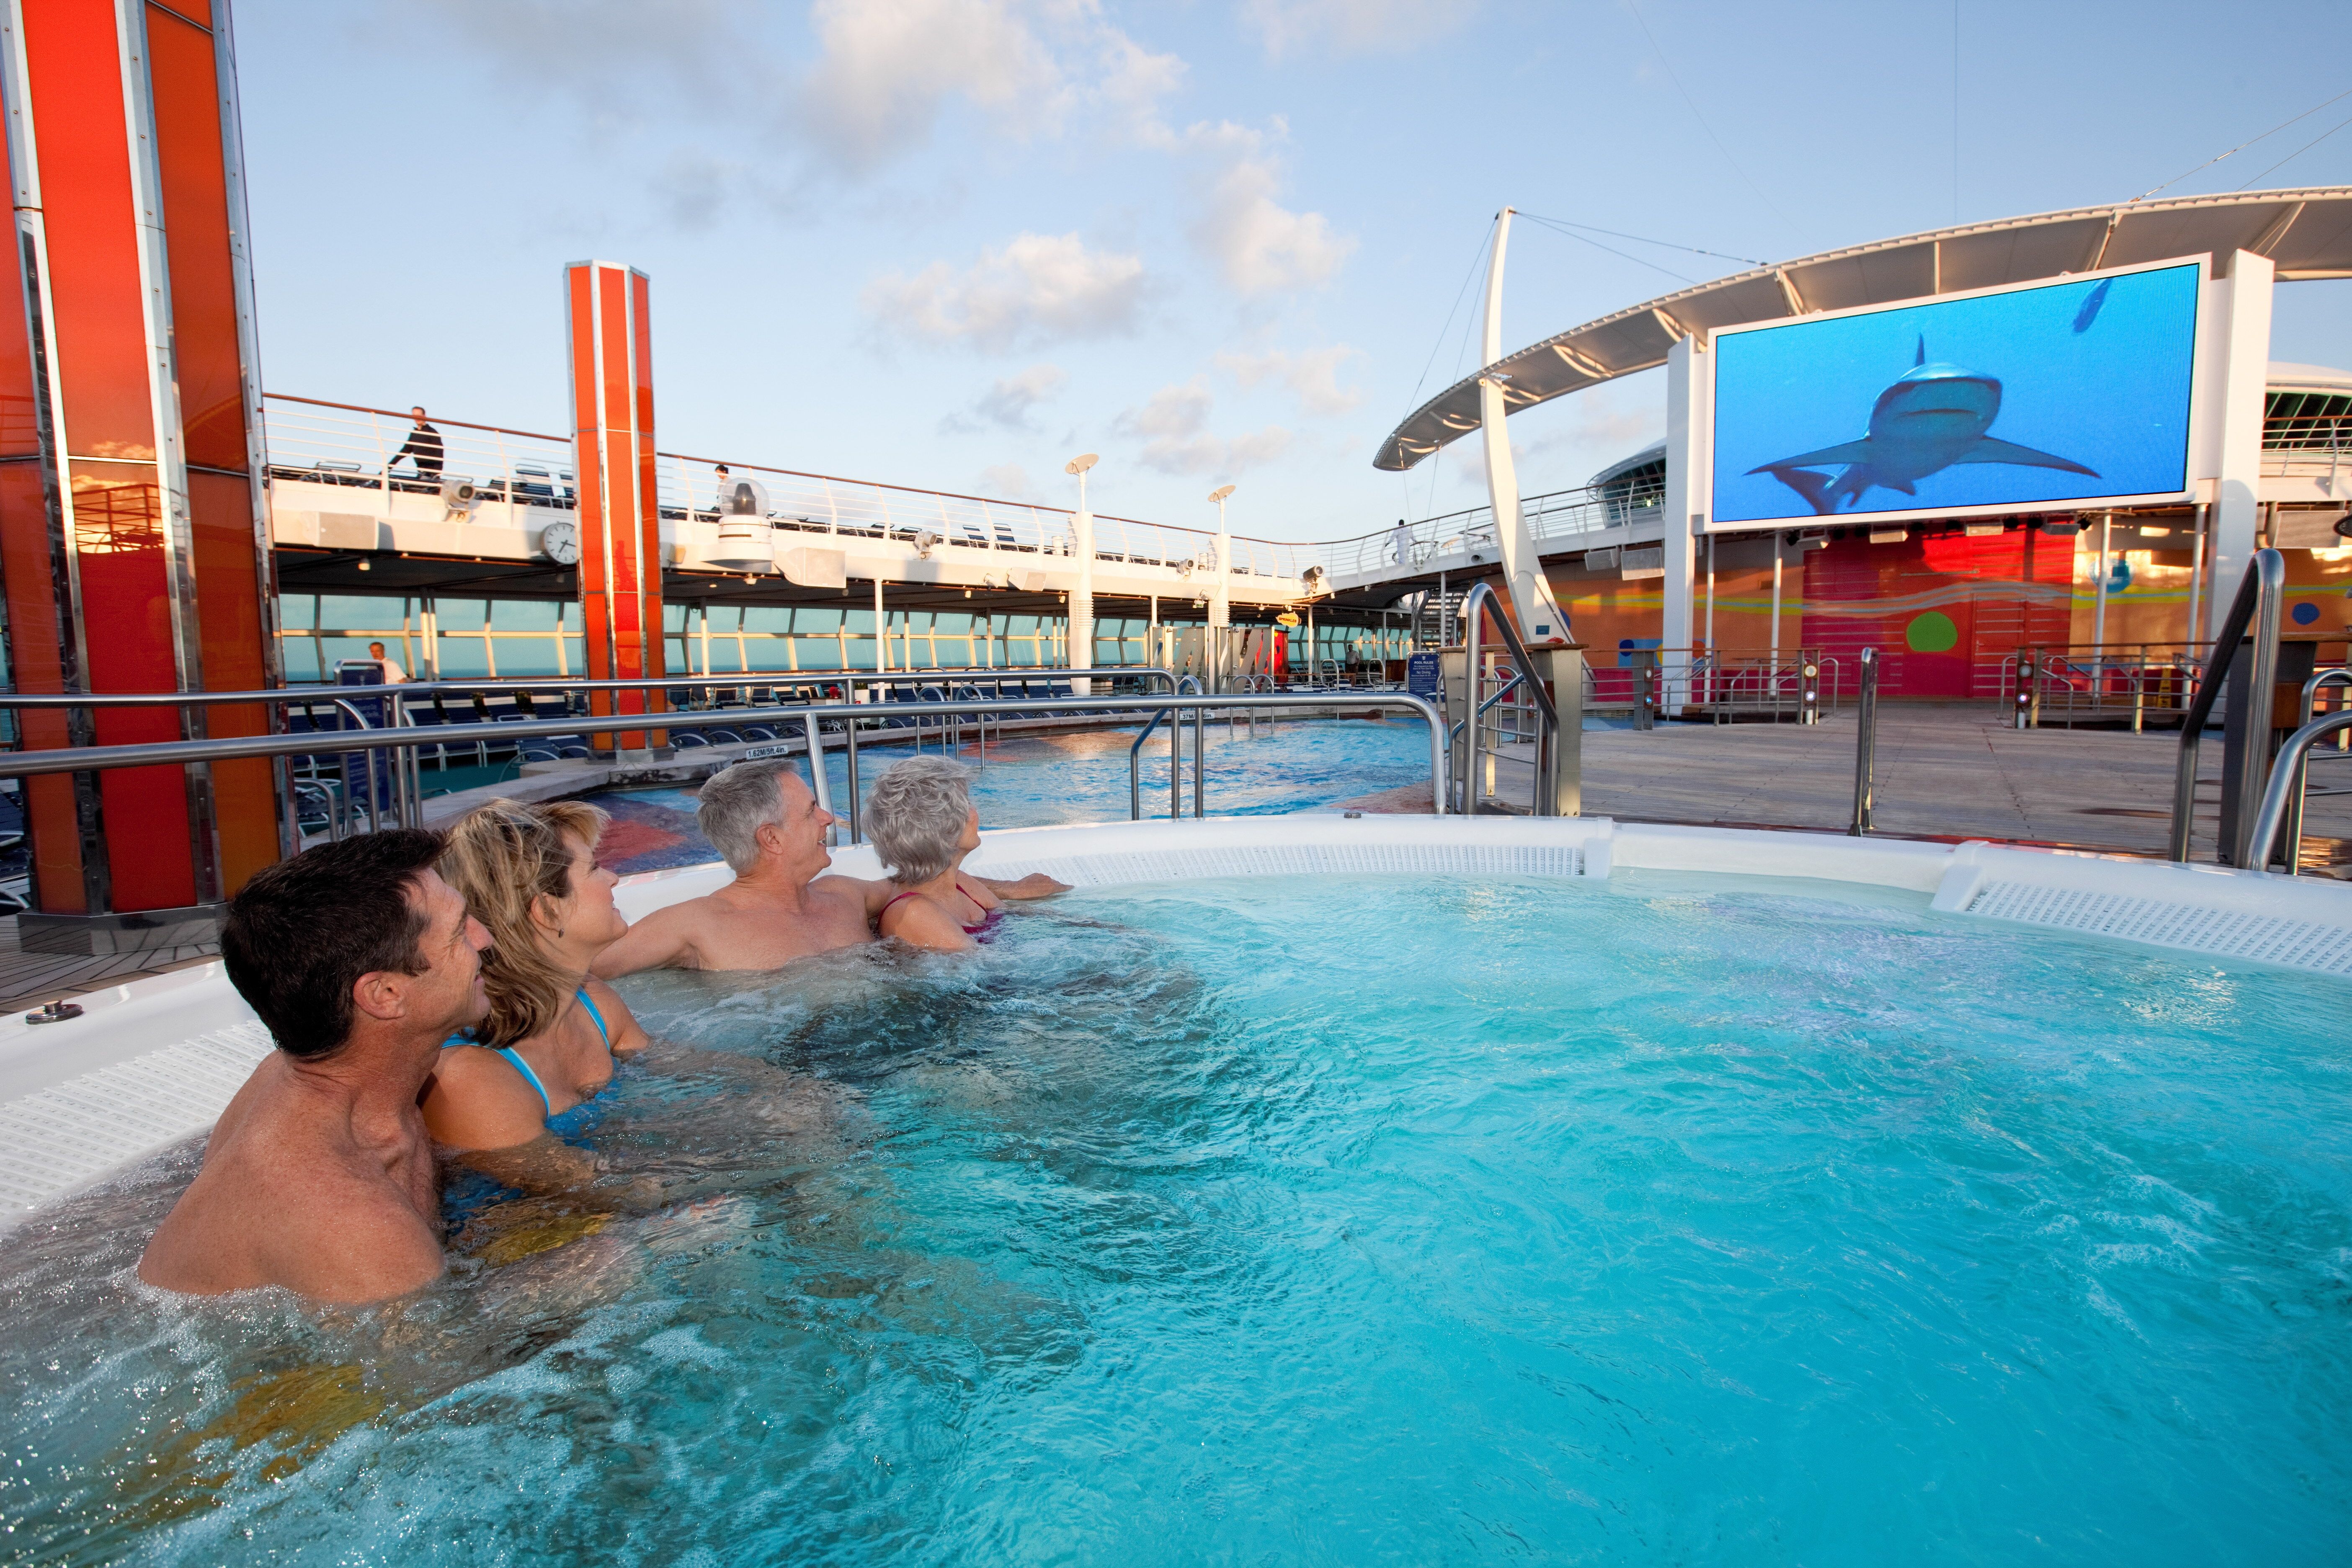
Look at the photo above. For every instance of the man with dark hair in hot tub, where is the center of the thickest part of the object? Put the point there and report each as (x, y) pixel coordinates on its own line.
(319, 1176)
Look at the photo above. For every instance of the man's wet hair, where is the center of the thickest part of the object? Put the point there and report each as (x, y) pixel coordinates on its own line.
(301, 933)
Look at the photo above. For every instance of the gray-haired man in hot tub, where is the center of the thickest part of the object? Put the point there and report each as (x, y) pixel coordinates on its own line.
(765, 823)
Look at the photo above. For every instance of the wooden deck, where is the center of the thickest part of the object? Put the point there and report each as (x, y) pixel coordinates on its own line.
(1942, 772)
(28, 979)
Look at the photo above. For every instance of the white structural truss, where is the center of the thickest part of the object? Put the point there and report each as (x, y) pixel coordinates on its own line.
(1539, 615)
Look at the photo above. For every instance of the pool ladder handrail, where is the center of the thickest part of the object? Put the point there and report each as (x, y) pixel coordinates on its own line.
(2297, 786)
(1545, 800)
(2286, 789)
(2262, 594)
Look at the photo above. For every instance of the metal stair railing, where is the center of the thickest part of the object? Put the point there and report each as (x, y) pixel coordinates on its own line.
(2283, 795)
(2261, 594)
(2300, 790)
(1536, 702)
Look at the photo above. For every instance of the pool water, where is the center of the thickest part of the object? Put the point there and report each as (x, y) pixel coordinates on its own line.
(1042, 780)
(1329, 1220)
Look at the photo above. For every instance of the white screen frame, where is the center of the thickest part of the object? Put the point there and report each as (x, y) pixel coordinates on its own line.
(2206, 357)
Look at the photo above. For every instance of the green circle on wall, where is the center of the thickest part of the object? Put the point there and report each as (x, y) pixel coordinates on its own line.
(1931, 632)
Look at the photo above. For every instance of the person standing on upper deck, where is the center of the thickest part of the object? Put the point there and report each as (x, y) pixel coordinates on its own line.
(1401, 543)
(393, 674)
(423, 447)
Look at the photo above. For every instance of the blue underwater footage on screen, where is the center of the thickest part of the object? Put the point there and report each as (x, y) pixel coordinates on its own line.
(2018, 399)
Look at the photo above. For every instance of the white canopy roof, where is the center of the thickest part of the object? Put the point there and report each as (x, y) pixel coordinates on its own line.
(2306, 233)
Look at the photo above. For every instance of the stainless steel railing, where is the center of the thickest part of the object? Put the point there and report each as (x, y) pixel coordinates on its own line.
(2299, 790)
(1535, 704)
(1865, 747)
(2261, 593)
(2284, 791)
(811, 718)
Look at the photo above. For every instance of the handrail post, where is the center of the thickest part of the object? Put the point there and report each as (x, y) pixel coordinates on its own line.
(817, 785)
(2286, 781)
(1865, 746)
(2303, 714)
(849, 734)
(2262, 587)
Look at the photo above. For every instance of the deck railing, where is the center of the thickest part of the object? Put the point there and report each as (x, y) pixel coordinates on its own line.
(357, 447)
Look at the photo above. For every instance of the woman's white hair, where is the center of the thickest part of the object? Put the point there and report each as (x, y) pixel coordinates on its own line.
(917, 815)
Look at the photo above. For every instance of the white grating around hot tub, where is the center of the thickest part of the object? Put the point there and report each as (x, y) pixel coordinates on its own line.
(2227, 933)
(59, 1137)
(2293, 922)
(1317, 859)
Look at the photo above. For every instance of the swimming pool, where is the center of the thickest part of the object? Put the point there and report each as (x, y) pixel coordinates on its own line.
(1039, 780)
(1344, 1217)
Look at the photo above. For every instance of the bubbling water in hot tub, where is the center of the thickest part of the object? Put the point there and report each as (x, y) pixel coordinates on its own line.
(1350, 1217)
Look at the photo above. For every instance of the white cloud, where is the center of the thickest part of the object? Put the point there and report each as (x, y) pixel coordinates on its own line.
(883, 73)
(1352, 26)
(1005, 481)
(1038, 289)
(1005, 406)
(1174, 423)
(888, 67)
(1314, 375)
(1259, 246)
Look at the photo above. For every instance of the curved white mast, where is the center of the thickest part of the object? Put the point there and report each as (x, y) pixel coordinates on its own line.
(1541, 618)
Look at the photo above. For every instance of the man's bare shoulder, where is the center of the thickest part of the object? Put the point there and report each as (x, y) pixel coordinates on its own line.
(365, 1244)
(284, 1197)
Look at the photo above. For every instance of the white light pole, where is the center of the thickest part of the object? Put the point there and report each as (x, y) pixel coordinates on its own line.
(1079, 645)
(1219, 616)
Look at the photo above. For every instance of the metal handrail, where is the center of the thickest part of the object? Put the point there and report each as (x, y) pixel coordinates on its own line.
(1475, 604)
(2311, 691)
(496, 684)
(1865, 747)
(95, 759)
(2261, 592)
(2285, 783)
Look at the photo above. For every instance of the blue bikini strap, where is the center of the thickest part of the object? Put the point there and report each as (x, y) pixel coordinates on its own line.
(590, 1003)
(523, 1067)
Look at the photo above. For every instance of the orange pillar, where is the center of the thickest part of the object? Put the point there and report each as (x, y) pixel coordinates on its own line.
(620, 518)
(134, 550)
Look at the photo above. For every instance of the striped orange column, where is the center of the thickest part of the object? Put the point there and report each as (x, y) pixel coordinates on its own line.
(620, 518)
(133, 536)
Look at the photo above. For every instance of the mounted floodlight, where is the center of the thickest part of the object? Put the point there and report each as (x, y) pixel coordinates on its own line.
(1081, 463)
(1220, 492)
(746, 539)
(457, 496)
(744, 498)
(1312, 579)
(1184, 570)
(924, 540)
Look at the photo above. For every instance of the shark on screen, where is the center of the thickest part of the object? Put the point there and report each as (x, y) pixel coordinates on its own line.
(1932, 417)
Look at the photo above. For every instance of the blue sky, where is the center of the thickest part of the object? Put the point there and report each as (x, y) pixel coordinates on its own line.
(951, 243)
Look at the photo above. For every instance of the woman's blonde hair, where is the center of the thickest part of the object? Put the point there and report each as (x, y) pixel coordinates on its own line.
(503, 858)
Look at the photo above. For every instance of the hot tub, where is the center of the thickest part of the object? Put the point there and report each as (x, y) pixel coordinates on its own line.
(1310, 1188)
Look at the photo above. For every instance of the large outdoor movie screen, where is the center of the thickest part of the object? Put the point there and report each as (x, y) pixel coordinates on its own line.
(2027, 398)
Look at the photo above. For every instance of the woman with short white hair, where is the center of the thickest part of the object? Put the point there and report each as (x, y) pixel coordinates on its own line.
(924, 823)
